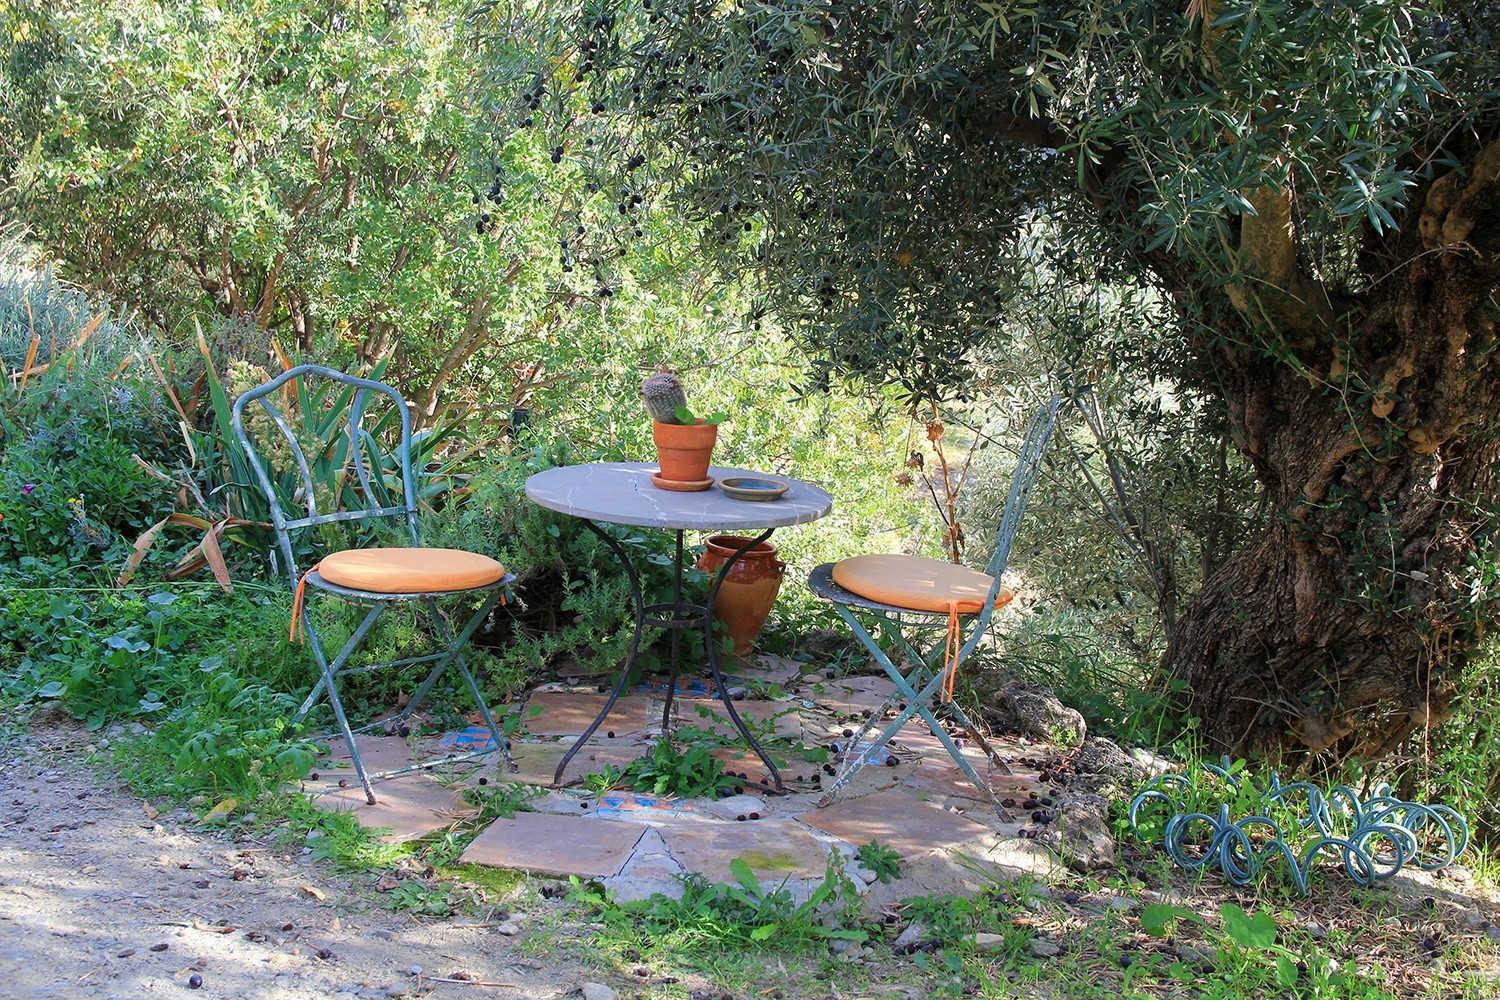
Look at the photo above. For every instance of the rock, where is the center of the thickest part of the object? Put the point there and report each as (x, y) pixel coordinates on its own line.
(1154, 764)
(1196, 954)
(866, 876)
(734, 806)
(1119, 904)
(509, 928)
(1493, 933)
(1081, 836)
(1315, 929)
(1098, 755)
(914, 934)
(598, 991)
(1042, 948)
(986, 942)
(396, 990)
(1033, 711)
(50, 712)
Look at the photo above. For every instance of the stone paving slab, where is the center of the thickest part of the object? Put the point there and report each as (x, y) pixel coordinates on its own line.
(765, 669)
(643, 808)
(897, 819)
(556, 845)
(774, 849)
(938, 778)
(854, 694)
(742, 762)
(684, 687)
(787, 716)
(568, 713)
(377, 753)
(412, 806)
(650, 870)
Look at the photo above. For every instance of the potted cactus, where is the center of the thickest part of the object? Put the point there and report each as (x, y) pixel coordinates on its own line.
(684, 442)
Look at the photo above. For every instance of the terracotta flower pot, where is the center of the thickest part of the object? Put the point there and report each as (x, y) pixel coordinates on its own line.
(684, 450)
(748, 592)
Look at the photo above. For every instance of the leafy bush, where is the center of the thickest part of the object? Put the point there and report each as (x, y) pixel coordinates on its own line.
(205, 675)
(575, 597)
(37, 305)
(73, 430)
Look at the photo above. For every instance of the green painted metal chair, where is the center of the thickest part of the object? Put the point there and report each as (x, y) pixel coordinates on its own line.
(334, 432)
(902, 595)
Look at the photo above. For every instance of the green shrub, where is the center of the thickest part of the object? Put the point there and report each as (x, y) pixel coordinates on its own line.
(74, 428)
(36, 304)
(206, 674)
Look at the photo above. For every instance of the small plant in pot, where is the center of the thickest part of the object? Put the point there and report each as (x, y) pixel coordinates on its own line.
(684, 442)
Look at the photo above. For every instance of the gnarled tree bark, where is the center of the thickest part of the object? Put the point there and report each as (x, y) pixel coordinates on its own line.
(1340, 628)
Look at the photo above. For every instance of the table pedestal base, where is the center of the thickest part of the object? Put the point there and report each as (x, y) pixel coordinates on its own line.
(676, 616)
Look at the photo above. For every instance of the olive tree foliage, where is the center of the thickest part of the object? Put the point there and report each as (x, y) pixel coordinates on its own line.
(317, 172)
(1313, 190)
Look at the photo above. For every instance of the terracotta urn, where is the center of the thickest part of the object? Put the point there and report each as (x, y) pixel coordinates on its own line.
(748, 592)
(684, 450)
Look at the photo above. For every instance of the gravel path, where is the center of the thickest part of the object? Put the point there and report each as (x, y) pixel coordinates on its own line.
(98, 898)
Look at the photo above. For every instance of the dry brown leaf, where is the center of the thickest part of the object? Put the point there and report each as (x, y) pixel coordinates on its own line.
(315, 893)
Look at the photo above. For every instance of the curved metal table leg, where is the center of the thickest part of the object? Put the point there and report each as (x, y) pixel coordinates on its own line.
(635, 645)
(682, 616)
(713, 657)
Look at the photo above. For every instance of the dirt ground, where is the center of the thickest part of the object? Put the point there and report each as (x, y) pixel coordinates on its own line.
(99, 899)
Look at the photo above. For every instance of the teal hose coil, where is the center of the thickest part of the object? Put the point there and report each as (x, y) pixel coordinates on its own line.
(1374, 837)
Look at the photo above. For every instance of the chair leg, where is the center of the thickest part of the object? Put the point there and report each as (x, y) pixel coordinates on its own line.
(454, 655)
(917, 704)
(329, 671)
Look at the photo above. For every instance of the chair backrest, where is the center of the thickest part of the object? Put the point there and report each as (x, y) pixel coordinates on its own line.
(328, 412)
(1028, 467)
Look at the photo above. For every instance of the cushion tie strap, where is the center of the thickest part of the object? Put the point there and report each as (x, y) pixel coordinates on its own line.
(950, 651)
(299, 600)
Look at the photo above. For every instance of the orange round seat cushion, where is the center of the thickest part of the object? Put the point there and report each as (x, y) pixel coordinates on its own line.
(917, 583)
(409, 571)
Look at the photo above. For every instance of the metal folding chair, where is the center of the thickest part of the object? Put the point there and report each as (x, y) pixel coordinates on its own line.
(925, 687)
(332, 432)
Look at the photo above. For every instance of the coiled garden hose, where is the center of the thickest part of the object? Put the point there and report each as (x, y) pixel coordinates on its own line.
(1374, 837)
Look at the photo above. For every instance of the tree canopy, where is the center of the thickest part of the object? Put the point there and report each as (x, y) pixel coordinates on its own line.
(1311, 188)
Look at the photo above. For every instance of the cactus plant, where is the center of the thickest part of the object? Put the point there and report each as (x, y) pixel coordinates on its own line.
(664, 396)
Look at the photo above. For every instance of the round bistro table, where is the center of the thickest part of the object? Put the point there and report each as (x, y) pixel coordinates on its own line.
(622, 493)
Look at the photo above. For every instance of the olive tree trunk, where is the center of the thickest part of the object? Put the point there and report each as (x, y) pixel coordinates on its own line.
(1342, 627)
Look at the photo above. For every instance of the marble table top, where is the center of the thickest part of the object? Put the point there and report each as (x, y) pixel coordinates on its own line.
(622, 493)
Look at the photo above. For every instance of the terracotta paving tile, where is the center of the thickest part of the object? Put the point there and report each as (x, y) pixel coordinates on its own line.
(765, 669)
(774, 849)
(787, 716)
(854, 694)
(897, 819)
(411, 806)
(568, 713)
(556, 845)
(377, 753)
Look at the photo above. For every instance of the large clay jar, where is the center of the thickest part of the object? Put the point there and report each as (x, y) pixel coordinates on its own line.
(745, 599)
(684, 450)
